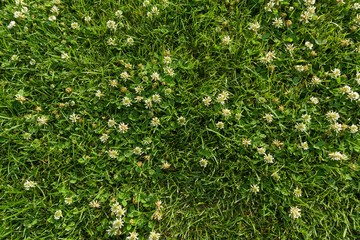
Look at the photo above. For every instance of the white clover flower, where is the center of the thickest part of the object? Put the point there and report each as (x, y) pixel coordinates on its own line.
(94, 204)
(113, 231)
(207, 101)
(154, 236)
(278, 143)
(114, 83)
(155, 122)
(168, 91)
(126, 101)
(309, 45)
(336, 73)
(157, 215)
(254, 188)
(222, 97)
(297, 192)
(58, 215)
(75, 26)
(290, 47)
(42, 120)
(155, 76)
(332, 116)
(113, 153)
(117, 209)
(87, 19)
(19, 15)
(306, 118)
(169, 71)
(295, 212)
(299, 68)
(306, 16)
(203, 162)
(99, 94)
(309, 2)
(65, 56)
(123, 128)
(278, 22)
(337, 156)
(29, 184)
(74, 118)
(130, 66)
(68, 200)
(148, 103)
(55, 10)
(32, 62)
(119, 13)
(111, 42)
(304, 145)
(246, 142)
(104, 137)
(137, 151)
(155, 10)
(20, 98)
(357, 20)
(19, 2)
(24, 10)
(125, 75)
(353, 128)
(14, 58)
(181, 120)
(311, 11)
(269, 6)
(315, 80)
(130, 41)
(139, 89)
(226, 40)
(314, 100)
(52, 18)
(118, 223)
(269, 57)
(11, 24)
(337, 127)
(133, 236)
(220, 125)
(111, 25)
(345, 89)
(167, 59)
(156, 98)
(226, 112)
(357, 78)
(353, 96)
(111, 122)
(301, 127)
(268, 117)
(254, 26)
(268, 158)
(166, 165)
(138, 98)
(261, 150)
(146, 3)
(27, 136)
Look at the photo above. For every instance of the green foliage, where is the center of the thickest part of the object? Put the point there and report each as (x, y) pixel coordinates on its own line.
(200, 119)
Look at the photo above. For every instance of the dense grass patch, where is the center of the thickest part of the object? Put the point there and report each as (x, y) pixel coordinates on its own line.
(179, 119)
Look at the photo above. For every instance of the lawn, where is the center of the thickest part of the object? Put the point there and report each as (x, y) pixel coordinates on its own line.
(179, 119)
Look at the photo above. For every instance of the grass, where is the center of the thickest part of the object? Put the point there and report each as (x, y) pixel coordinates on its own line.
(199, 173)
